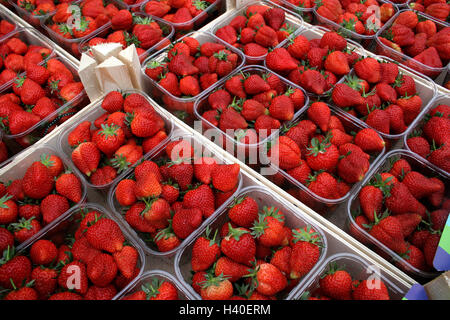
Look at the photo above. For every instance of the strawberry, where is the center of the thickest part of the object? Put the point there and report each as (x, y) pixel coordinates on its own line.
(189, 86)
(239, 245)
(106, 235)
(216, 288)
(113, 102)
(414, 257)
(254, 84)
(201, 197)
(270, 280)
(53, 206)
(320, 114)
(8, 209)
(66, 272)
(147, 186)
(368, 69)
(83, 251)
(336, 283)
(409, 222)
(345, 96)
(86, 157)
(282, 108)
(281, 258)
(103, 176)
(337, 63)
(66, 295)
(322, 155)
(231, 269)
(45, 281)
(235, 85)
(204, 252)
(20, 121)
(69, 186)
(280, 60)
(369, 141)
(24, 293)
(419, 185)
(37, 175)
(429, 248)
(244, 211)
(25, 229)
(225, 177)
(182, 66)
(371, 200)
(402, 201)
(367, 291)
(102, 270)
(438, 219)
(14, 269)
(286, 153)
(101, 293)
(146, 123)
(268, 228)
(125, 192)
(352, 168)
(185, 221)
(122, 20)
(388, 230)
(300, 173)
(43, 252)
(324, 185)
(6, 239)
(305, 253)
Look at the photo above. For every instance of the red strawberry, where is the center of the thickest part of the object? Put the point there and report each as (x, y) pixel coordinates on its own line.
(106, 235)
(244, 211)
(402, 201)
(52, 207)
(239, 245)
(43, 252)
(204, 252)
(419, 185)
(367, 291)
(185, 221)
(86, 157)
(336, 283)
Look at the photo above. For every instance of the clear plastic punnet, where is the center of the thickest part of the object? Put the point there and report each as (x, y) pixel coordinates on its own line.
(264, 197)
(353, 205)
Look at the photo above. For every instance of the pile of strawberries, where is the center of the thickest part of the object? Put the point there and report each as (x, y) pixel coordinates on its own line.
(128, 129)
(155, 289)
(37, 94)
(39, 7)
(316, 64)
(93, 15)
(251, 102)
(406, 210)
(356, 16)
(167, 199)
(45, 192)
(16, 55)
(256, 256)
(191, 67)
(439, 9)
(128, 29)
(6, 27)
(90, 244)
(431, 140)
(380, 95)
(260, 28)
(338, 284)
(321, 152)
(419, 38)
(180, 12)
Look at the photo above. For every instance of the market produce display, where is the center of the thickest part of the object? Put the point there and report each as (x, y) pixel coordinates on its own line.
(145, 32)
(404, 207)
(421, 39)
(223, 150)
(169, 196)
(252, 102)
(42, 193)
(118, 136)
(314, 64)
(86, 240)
(430, 139)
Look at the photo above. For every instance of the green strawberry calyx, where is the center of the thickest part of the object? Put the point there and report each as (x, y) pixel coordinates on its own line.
(211, 280)
(235, 233)
(152, 289)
